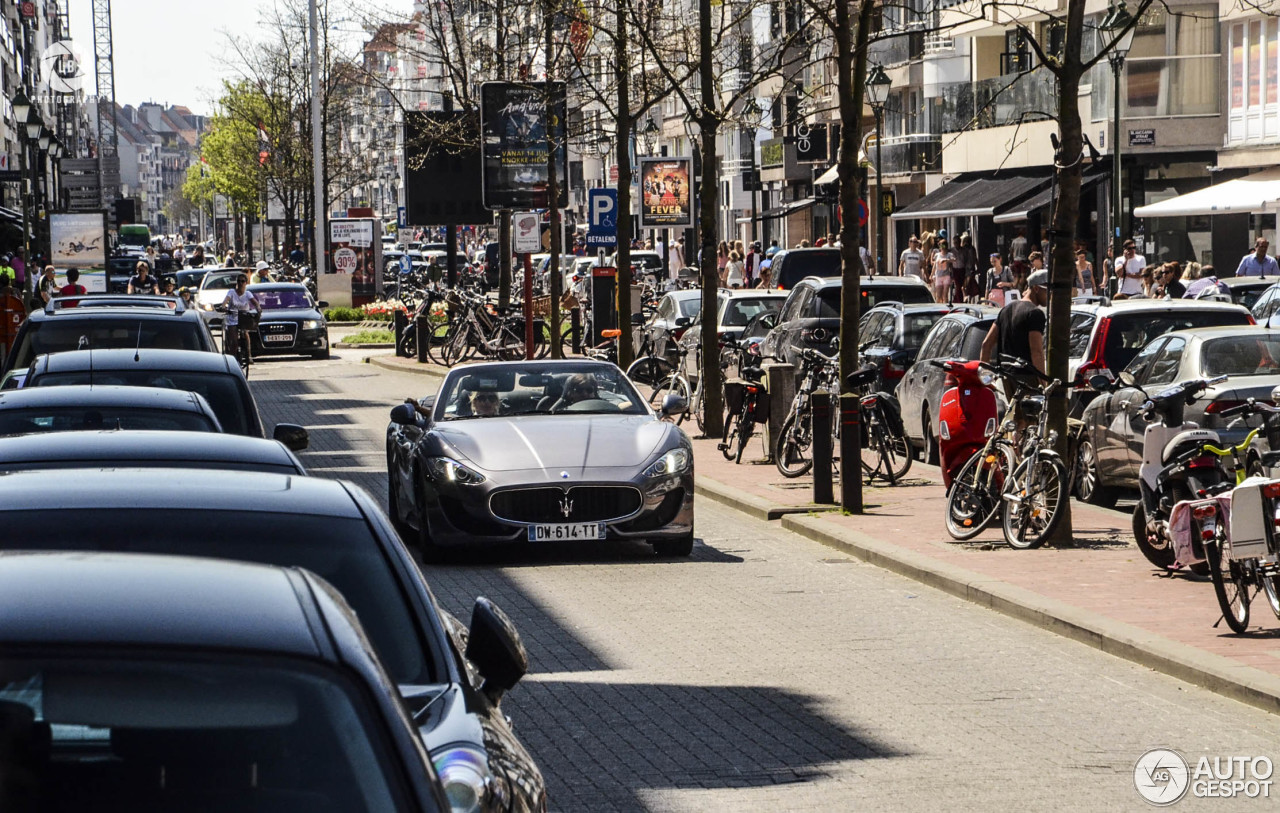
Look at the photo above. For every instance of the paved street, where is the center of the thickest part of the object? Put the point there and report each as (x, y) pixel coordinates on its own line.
(772, 673)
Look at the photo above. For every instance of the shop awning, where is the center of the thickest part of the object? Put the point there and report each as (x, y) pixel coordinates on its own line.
(978, 194)
(1044, 197)
(781, 211)
(830, 176)
(9, 215)
(1256, 194)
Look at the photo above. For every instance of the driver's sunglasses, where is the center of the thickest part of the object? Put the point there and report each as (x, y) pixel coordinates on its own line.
(242, 281)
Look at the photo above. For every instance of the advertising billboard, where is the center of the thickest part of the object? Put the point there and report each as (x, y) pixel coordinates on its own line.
(354, 254)
(79, 241)
(665, 199)
(515, 130)
(443, 170)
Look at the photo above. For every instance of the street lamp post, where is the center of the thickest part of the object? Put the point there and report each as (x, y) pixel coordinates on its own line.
(650, 136)
(603, 145)
(878, 83)
(755, 117)
(1120, 24)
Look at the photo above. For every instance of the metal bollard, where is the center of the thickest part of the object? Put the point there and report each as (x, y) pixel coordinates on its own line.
(424, 330)
(575, 329)
(822, 490)
(400, 321)
(851, 453)
(780, 380)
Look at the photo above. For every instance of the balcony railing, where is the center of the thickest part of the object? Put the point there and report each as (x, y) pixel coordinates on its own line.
(996, 102)
(897, 49)
(919, 152)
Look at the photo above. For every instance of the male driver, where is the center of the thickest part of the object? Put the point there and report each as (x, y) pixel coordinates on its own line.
(1257, 264)
(1129, 271)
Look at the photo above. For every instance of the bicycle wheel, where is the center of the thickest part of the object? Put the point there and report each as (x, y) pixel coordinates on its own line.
(974, 500)
(674, 383)
(1229, 584)
(730, 438)
(1271, 589)
(745, 428)
(648, 371)
(1035, 494)
(791, 451)
(897, 451)
(456, 347)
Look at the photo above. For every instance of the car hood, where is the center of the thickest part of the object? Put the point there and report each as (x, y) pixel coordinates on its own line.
(557, 442)
(290, 314)
(212, 296)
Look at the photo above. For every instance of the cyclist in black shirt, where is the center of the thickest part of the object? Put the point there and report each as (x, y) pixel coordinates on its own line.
(142, 282)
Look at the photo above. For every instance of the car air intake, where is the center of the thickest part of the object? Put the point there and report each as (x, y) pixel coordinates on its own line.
(578, 504)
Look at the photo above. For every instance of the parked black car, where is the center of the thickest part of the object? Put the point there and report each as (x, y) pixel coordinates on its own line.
(215, 376)
(958, 335)
(73, 408)
(337, 531)
(291, 321)
(159, 449)
(168, 683)
(811, 315)
(891, 335)
(101, 322)
(794, 264)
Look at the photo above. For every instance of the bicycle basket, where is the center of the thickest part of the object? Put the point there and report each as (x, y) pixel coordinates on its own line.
(248, 321)
(735, 391)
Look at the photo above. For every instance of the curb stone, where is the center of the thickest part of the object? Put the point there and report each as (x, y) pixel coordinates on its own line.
(1213, 672)
(749, 504)
(429, 370)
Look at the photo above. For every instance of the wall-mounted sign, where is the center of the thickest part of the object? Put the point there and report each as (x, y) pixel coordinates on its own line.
(811, 143)
(1142, 138)
(664, 192)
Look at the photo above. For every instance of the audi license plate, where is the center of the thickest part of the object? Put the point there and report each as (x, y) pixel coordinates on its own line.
(279, 338)
(566, 532)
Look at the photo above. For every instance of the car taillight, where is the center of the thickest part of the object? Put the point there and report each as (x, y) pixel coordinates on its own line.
(1271, 490)
(1221, 405)
(1252, 321)
(892, 370)
(1095, 363)
(678, 332)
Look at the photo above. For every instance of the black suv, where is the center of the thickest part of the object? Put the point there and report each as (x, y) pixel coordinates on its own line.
(792, 265)
(811, 315)
(890, 336)
(102, 321)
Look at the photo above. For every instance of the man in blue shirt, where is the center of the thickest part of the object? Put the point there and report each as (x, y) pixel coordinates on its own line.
(1257, 263)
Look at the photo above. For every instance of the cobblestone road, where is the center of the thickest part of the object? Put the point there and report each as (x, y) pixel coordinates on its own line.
(770, 673)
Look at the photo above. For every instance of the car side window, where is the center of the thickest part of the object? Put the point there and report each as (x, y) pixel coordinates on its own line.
(1266, 305)
(803, 295)
(1164, 370)
(1081, 331)
(929, 348)
(1142, 362)
(869, 330)
(950, 346)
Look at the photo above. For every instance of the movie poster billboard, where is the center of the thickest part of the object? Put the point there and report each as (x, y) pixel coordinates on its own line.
(79, 240)
(515, 127)
(665, 199)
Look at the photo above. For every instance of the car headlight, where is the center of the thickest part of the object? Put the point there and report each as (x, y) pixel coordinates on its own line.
(675, 461)
(206, 306)
(310, 324)
(451, 471)
(464, 773)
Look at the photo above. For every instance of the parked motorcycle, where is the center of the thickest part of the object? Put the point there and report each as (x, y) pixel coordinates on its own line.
(1174, 466)
(967, 416)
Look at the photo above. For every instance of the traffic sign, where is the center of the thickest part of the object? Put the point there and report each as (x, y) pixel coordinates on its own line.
(406, 264)
(602, 217)
(402, 217)
(528, 232)
(862, 212)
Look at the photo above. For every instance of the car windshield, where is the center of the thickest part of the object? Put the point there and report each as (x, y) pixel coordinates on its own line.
(221, 282)
(739, 310)
(283, 300)
(341, 550)
(1128, 333)
(65, 332)
(106, 727)
(494, 391)
(34, 420)
(221, 390)
(188, 279)
(1248, 295)
(1241, 355)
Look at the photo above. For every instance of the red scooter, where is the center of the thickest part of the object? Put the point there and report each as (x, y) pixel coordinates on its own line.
(967, 415)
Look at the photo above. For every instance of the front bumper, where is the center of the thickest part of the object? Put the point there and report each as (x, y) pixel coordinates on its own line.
(460, 516)
(304, 342)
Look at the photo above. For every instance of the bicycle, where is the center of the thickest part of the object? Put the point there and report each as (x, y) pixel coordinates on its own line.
(746, 408)
(884, 449)
(242, 347)
(791, 448)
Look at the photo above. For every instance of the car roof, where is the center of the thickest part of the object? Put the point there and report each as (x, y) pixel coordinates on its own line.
(688, 293)
(146, 308)
(1128, 305)
(753, 293)
(145, 358)
(84, 395)
(146, 600)
(277, 286)
(1222, 331)
(912, 307)
(809, 250)
(865, 282)
(1238, 282)
(215, 490)
(122, 447)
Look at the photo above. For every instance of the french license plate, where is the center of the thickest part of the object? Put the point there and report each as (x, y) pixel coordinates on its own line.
(566, 532)
(279, 338)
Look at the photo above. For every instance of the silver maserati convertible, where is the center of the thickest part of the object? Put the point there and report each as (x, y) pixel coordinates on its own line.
(539, 451)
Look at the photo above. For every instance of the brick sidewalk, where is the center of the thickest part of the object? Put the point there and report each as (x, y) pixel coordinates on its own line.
(1103, 574)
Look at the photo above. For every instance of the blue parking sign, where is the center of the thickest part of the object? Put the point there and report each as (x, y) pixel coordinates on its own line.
(602, 218)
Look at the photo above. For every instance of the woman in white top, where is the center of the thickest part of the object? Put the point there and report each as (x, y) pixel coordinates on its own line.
(237, 301)
(734, 270)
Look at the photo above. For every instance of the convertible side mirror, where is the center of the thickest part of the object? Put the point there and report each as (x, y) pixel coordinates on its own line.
(404, 415)
(494, 646)
(673, 404)
(294, 437)
(1101, 383)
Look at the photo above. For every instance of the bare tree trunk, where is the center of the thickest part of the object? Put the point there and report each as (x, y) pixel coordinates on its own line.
(622, 141)
(1065, 218)
(504, 217)
(707, 194)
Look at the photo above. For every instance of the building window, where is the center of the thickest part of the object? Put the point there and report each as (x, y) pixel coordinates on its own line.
(1172, 68)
